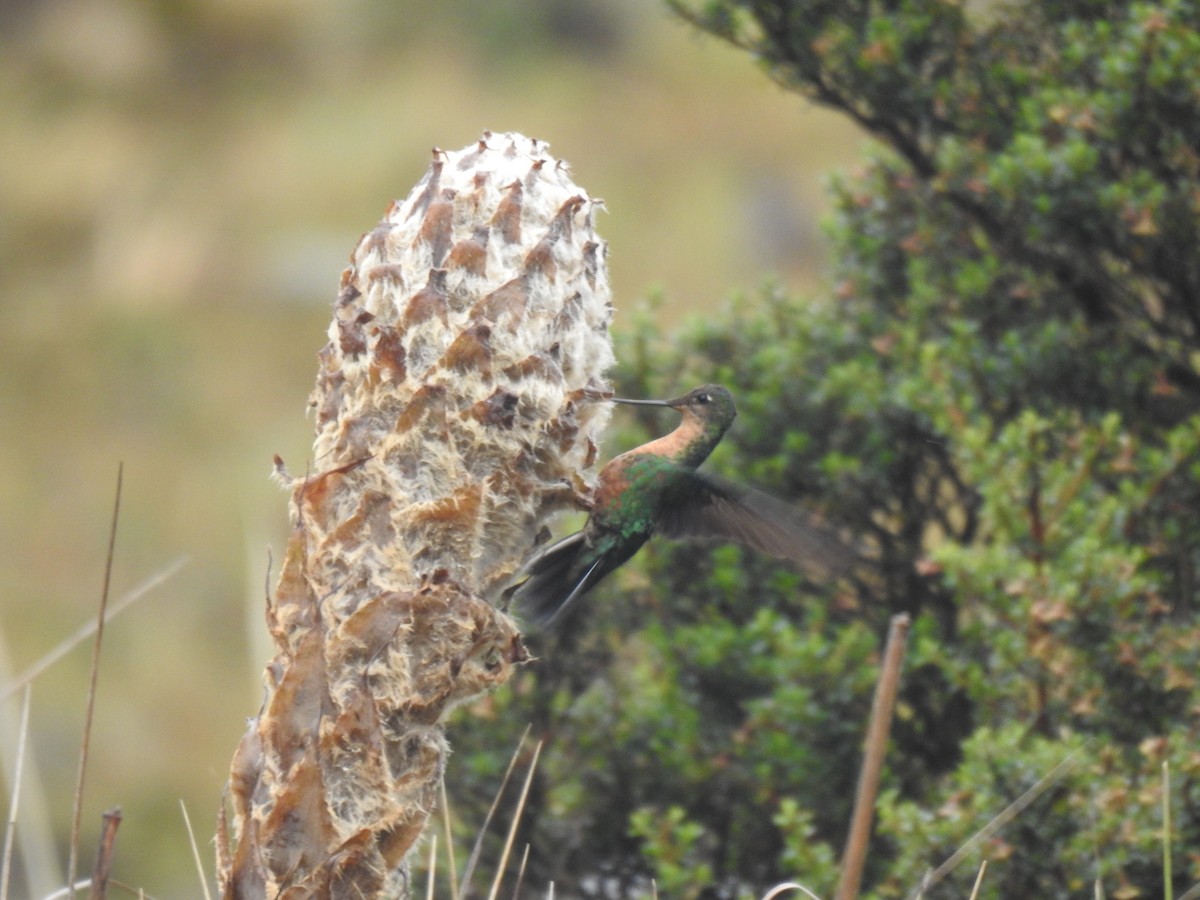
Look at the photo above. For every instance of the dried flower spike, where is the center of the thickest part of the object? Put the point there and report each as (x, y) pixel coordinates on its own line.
(455, 409)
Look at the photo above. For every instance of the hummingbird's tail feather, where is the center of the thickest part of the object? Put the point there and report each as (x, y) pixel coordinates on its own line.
(552, 580)
(591, 576)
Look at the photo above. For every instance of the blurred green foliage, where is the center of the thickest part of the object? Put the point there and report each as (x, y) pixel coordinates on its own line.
(1002, 400)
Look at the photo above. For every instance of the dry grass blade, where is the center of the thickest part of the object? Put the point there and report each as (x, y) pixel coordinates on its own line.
(450, 863)
(1192, 893)
(854, 858)
(473, 859)
(779, 889)
(77, 820)
(89, 629)
(104, 855)
(69, 890)
(139, 892)
(1013, 810)
(978, 879)
(187, 822)
(512, 829)
(432, 867)
(521, 874)
(10, 831)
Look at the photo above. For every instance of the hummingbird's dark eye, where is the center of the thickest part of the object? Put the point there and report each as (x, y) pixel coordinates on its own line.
(702, 398)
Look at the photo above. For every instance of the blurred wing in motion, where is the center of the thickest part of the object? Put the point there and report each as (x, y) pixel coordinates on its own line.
(711, 507)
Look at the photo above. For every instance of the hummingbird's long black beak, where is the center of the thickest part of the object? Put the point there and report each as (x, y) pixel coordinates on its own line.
(640, 402)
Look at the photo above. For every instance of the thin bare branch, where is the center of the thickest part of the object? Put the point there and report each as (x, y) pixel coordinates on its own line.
(102, 865)
(85, 744)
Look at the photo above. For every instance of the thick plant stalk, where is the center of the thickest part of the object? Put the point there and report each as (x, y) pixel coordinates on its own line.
(875, 748)
(457, 403)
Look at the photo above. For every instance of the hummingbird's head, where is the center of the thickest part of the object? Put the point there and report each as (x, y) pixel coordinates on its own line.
(710, 404)
(706, 402)
(707, 412)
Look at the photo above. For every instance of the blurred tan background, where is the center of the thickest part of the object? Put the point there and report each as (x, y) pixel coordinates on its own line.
(180, 186)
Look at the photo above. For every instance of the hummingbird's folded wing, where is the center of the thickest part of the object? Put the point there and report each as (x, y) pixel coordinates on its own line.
(707, 506)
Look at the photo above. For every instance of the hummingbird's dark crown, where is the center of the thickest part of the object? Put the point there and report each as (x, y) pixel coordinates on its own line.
(709, 402)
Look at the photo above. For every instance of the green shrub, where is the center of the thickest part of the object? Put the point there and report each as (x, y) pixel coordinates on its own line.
(1002, 402)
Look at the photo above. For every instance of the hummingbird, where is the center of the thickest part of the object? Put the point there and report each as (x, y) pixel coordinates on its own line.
(656, 489)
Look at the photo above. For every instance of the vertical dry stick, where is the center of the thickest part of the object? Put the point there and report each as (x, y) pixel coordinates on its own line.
(457, 403)
(1168, 888)
(102, 865)
(73, 856)
(855, 856)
